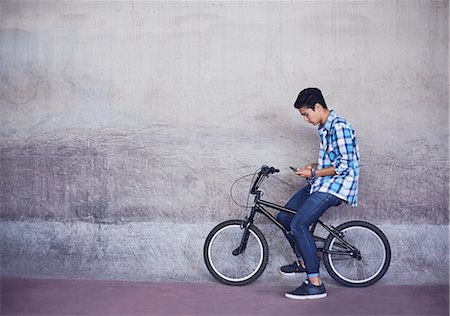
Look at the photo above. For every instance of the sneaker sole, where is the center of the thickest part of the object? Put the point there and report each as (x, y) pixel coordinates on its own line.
(306, 297)
(289, 274)
(285, 273)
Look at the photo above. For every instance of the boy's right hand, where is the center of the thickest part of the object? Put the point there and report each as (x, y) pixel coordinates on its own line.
(304, 172)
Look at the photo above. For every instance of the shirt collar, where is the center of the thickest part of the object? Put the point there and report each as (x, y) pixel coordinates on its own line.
(330, 119)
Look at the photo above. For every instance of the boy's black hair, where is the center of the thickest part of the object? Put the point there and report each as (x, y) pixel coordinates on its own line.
(308, 98)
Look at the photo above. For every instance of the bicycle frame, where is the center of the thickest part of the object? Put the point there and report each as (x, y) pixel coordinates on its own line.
(258, 207)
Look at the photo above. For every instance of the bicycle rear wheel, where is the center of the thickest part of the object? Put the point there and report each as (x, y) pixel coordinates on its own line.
(231, 269)
(363, 267)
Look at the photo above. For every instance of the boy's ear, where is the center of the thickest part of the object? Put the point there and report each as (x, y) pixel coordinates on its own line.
(318, 107)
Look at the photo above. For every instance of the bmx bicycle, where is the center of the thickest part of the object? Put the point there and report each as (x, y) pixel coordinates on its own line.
(355, 253)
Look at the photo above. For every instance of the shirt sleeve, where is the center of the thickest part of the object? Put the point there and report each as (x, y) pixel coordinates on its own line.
(344, 148)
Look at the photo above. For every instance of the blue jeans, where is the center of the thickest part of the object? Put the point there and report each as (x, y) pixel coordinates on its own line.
(309, 208)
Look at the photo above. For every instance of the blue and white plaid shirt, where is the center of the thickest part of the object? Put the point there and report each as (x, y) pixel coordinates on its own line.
(338, 148)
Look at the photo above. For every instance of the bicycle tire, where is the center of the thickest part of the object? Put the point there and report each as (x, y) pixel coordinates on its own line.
(374, 249)
(227, 268)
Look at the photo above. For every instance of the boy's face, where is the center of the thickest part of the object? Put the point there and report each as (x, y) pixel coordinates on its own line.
(310, 115)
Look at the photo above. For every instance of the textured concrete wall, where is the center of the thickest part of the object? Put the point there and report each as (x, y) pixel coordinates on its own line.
(123, 125)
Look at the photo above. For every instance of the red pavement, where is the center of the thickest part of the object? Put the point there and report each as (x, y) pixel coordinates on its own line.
(78, 297)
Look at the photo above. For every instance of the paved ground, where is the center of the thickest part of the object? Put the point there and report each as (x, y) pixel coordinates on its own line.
(77, 297)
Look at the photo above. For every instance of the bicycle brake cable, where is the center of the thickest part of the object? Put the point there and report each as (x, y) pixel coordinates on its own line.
(248, 195)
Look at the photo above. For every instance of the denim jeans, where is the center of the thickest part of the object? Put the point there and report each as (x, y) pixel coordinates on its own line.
(309, 208)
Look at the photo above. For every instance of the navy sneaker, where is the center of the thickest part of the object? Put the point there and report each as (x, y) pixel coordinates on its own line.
(292, 269)
(307, 291)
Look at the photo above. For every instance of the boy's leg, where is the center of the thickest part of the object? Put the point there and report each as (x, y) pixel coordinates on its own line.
(310, 211)
(285, 219)
(316, 204)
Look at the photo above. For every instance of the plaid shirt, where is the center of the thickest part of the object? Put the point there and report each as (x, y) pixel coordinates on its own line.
(338, 148)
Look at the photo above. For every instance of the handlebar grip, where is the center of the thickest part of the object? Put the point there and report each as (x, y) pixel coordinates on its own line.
(273, 170)
(265, 169)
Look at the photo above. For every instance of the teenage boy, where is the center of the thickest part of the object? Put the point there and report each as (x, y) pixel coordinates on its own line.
(333, 179)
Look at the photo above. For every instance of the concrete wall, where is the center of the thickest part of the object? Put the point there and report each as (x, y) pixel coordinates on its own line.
(124, 124)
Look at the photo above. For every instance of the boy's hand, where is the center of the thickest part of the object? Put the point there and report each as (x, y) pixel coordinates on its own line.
(304, 172)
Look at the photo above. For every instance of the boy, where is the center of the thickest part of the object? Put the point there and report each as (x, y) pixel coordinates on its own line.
(333, 179)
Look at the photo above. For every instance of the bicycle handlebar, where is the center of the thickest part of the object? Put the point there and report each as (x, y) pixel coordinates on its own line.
(266, 170)
(263, 173)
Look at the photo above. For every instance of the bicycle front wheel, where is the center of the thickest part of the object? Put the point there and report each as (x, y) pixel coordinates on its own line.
(222, 260)
(363, 266)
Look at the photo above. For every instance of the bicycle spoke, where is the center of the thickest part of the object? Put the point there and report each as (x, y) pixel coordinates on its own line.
(360, 272)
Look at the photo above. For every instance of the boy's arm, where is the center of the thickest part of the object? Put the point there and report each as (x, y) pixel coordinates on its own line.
(344, 147)
(345, 150)
(306, 171)
(326, 172)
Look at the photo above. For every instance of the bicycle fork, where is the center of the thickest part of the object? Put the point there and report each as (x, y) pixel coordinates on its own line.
(248, 220)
